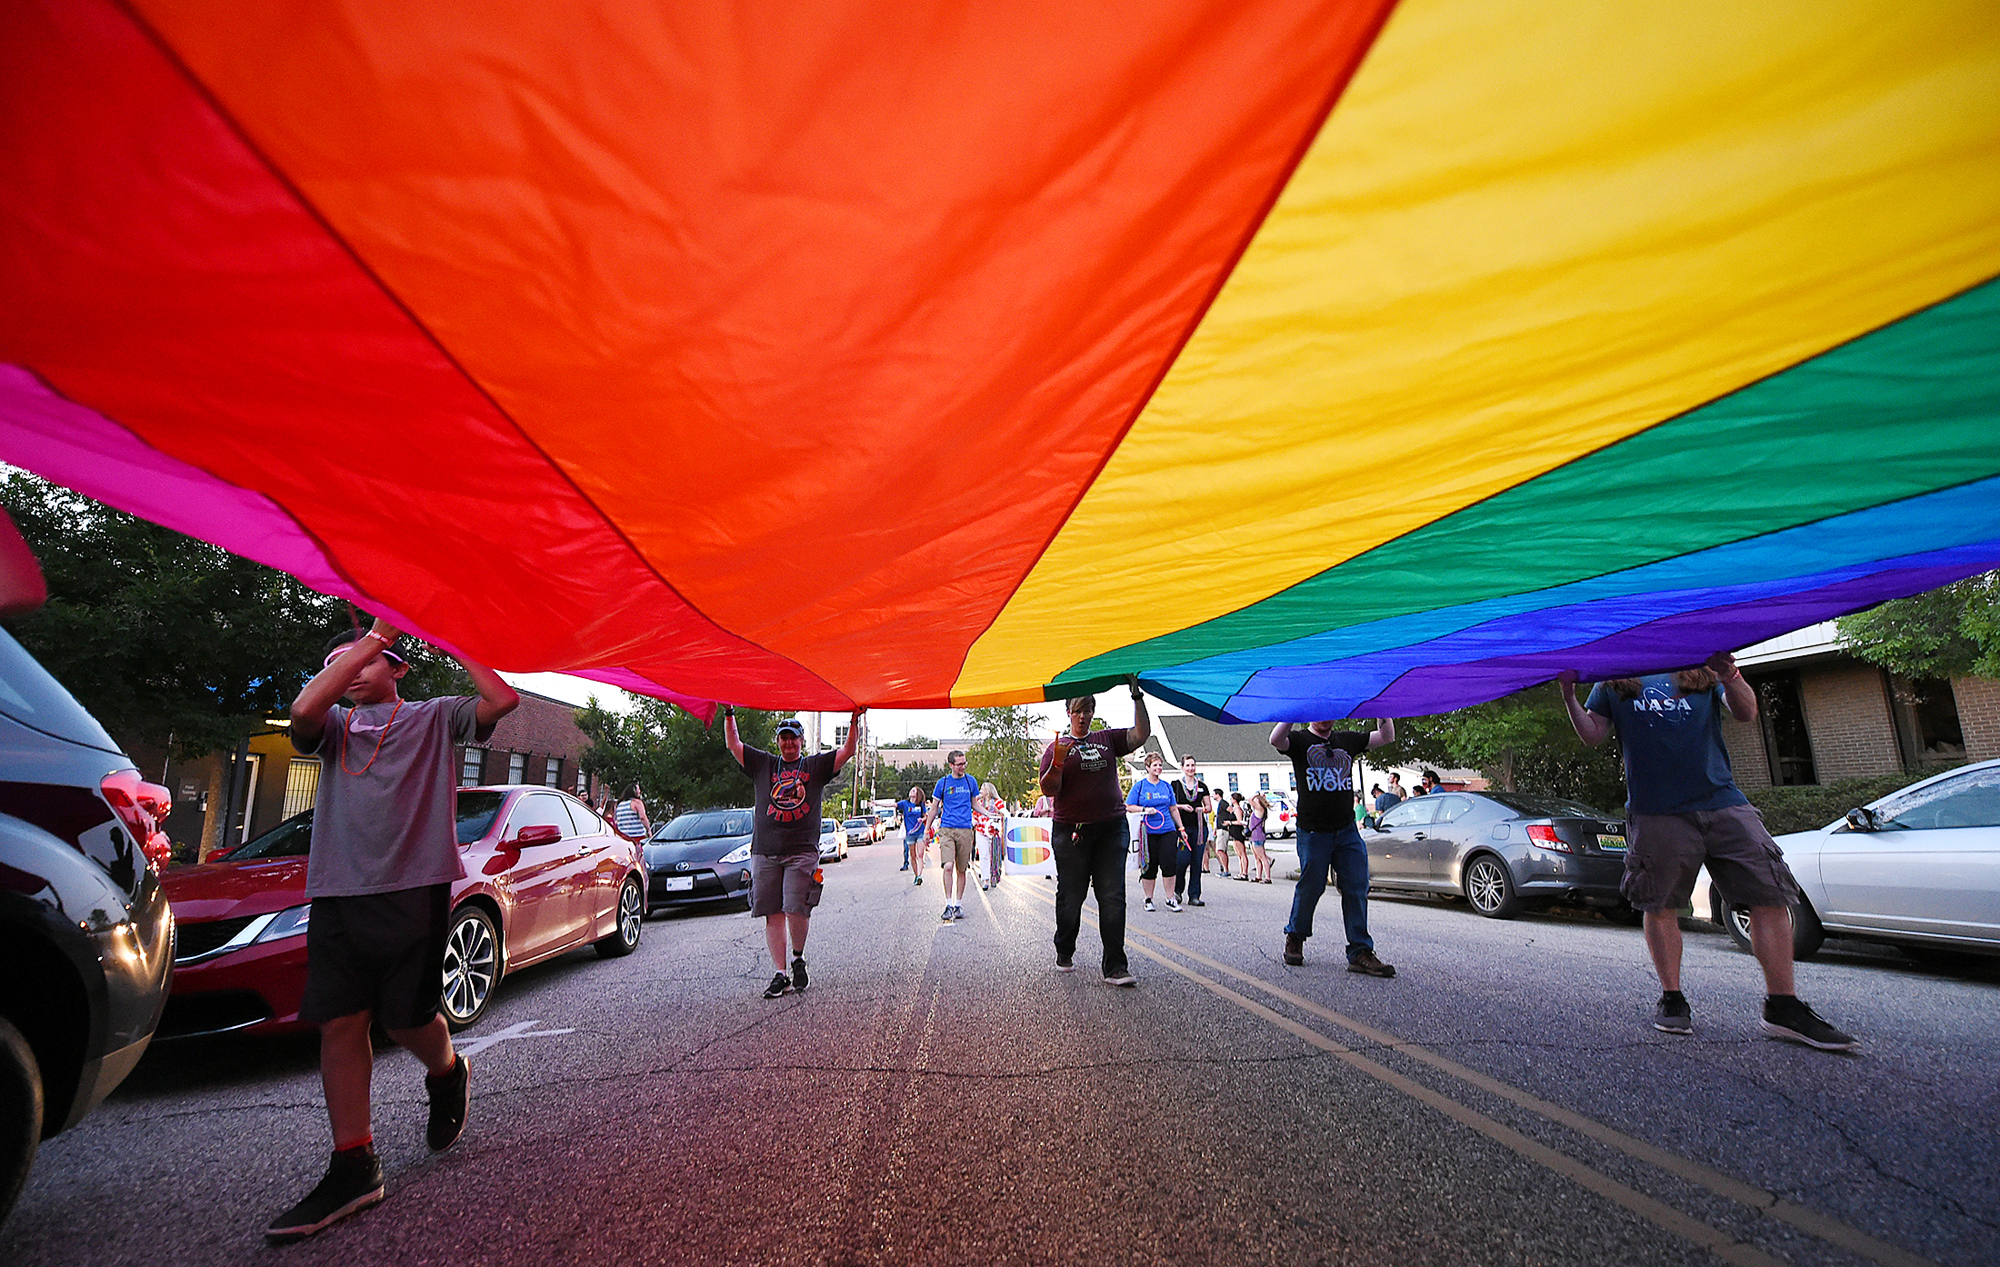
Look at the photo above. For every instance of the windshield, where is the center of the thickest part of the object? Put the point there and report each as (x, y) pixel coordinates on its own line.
(1971, 799)
(30, 696)
(1545, 806)
(290, 839)
(858, 822)
(475, 814)
(705, 823)
(826, 825)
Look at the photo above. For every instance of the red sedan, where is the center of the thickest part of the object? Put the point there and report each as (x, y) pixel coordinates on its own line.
(544, 875)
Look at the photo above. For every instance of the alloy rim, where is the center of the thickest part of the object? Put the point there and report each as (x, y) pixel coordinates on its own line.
(629, 914)
(1483, 885)
(468, 969)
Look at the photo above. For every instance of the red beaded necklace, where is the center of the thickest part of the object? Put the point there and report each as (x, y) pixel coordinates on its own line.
(348, 725)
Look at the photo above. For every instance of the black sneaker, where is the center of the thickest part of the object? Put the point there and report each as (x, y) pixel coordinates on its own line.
(1064, 965)
(451, 1099)
(780, 986)
(1365, 963)
(1786, 1016)
(799, 978)
(353, 1182)
(1673, 1016)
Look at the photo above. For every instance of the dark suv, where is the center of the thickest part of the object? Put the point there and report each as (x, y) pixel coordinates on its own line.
(86, 938)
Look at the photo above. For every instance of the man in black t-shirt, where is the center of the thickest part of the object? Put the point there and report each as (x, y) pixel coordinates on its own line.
(1323, 761)
(784, 835)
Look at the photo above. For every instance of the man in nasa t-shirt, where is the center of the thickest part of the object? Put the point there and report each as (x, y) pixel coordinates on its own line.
(1323, 761)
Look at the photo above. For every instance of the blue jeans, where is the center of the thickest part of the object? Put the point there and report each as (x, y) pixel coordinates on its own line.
(1344, 851)
(1090, 854)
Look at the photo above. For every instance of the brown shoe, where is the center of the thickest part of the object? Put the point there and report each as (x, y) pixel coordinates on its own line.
(1366, 962)
(1295, 950)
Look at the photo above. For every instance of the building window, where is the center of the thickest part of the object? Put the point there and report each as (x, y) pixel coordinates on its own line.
(1782, 717)
(1263, 781)
(469, 773)
(552, 772)
(301, 785)
(582, 783)
(1232, 780)
(1927, 725)
(517, 767)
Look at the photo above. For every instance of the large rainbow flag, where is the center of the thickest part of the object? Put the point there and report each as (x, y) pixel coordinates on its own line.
(1302, 358)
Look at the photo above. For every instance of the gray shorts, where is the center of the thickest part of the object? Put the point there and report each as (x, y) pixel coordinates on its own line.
(1668, 851)
(783, 883)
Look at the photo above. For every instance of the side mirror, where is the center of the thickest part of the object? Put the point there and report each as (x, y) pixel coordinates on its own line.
(1863, 820)
(540, 834)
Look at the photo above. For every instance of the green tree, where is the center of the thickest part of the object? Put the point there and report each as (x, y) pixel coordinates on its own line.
(1943, 633)
(678, 763)
(1521, 743)
(168, 640)
(1004, 750)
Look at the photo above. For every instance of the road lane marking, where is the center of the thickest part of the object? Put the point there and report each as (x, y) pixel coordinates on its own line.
(1810, 1221)
(519, 1029)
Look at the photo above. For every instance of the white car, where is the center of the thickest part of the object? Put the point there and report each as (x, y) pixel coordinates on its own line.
(1918, 869)
(832, 841)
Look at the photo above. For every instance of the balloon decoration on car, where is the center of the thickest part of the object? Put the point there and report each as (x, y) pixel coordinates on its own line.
(1302, 357)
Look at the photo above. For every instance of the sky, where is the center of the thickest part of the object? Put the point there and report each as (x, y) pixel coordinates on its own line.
(888, 727)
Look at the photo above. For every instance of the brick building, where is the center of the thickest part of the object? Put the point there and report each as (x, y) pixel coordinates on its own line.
(1825, 715)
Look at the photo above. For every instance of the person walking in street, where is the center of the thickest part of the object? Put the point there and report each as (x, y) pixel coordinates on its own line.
(1255, 812)
(632, 821)
(912, 811)
(1226, 821)
(1323, 763)
(379, 875)
(1079, 772)
(989, 825)
(1193, 796)
(787, 790)
(951, 807)
(1683, 811)
(1161, 826)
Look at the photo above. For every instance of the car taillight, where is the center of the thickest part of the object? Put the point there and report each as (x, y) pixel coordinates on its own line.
(140, 806)
(1545, 836)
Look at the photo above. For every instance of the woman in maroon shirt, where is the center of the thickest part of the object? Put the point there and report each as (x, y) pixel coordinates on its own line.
(1080, 776)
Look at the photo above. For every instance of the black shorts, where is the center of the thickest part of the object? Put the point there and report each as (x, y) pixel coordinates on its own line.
(377, 952)
(1162, 855)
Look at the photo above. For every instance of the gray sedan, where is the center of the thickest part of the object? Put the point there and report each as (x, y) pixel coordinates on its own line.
(1502, 852)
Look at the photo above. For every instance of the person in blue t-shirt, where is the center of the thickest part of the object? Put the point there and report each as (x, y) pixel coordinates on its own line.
(1684, 811)
(1165, 835)
(912, 811)
(951, 806)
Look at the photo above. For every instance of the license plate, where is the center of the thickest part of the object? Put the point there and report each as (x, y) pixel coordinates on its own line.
(677, 883)
(1611, 844)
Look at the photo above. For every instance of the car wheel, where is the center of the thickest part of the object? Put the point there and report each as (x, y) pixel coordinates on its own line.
(1807, 932)
(20, 1113)
(1490, 888)
(624, 939)
(471, 965)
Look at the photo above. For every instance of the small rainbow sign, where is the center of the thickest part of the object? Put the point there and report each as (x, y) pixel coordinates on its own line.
(1028, 843)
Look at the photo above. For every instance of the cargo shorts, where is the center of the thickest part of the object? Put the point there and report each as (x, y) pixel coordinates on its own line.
(782, 883)
(955, 847)
(1667, 852)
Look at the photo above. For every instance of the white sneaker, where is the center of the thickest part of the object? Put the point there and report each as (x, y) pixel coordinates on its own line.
(1173, 904)
(1149, 904)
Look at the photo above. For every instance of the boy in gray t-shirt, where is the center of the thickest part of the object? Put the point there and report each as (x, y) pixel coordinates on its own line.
(384, 855)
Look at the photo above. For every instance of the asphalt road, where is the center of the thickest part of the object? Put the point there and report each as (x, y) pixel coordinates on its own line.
(941, 1096)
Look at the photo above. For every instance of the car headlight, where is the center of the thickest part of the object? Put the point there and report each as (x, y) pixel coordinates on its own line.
(736, 856)
(288, 923)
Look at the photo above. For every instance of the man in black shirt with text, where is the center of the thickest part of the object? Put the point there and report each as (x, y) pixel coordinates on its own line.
(1323, 760)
